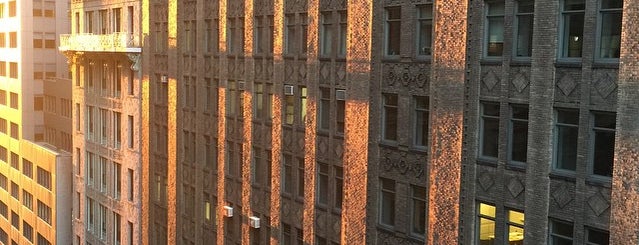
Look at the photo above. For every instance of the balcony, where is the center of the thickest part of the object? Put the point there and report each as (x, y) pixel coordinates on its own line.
(88, 42)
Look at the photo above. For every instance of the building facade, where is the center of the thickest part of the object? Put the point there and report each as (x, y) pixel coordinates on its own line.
(104, 50)
(34, 176)
(355, 122)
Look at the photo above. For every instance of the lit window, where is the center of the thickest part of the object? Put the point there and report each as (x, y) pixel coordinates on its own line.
(302, 108)
(515, 227)
(387, 202)
(393, 30)
(489, 135)
(486, 224)
(519, 133)
(603, 148)
(560, 233)
(610, 28)
(390, 117)
(495, 29)
(572, 12)
(425, 29)
(566, 135)
(524, 18)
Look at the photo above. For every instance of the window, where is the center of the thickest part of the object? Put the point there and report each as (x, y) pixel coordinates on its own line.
(131, 132)
(3, 71)
(389, 128)
(13, 100)
(572, 13)
(303, 19)
(117, 130)
(44, 212)
(339, 186)
(103, 221)
(90, 214)
(117, 185)
(44, 178)
(566, 135)
(560, 233)
(387, 202)
(38, 103)
(13, 39)
(603, 135)
(42, 240)
(326, 33)
(12, 9)
(286, 234)
(15, 161)
(117, 19)
(3, 154)
(418, 211)
(13, 70)
(3, 93)
(3, 125)
(489, 135)
(3, 182)
(289, 109)
(90, 122)
(424, 29)
(27, 231)
(27, 199)
(515, 227)
(2, 8)
(14, 131)
(486, 224)
(15, 190)
(130, 184)
(103, 174)
(302, 104)
(392, 32)
(287, 183)
(325, 109)
(524, 18)
(300, 178)
(4, 210)
(494, 29)
(103, 124)
(322, 184)
(420, 126)
(519, 132)
(27, 168)
(341, 111)
(597, 237)
(610, 28)
(15, 220)
(290, 35)
(258, 107)
(343, 20)
(117, 232)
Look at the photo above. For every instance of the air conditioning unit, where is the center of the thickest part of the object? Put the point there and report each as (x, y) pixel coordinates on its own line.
(164, 79)
(228, 211)
(241, 85)
(289, 90)
(254, 222)
(340, 94)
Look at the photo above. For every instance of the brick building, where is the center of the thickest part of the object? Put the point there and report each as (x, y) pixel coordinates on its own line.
(377, 122)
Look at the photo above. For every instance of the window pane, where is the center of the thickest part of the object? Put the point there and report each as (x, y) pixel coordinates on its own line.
(425, 29)
(610, 36)
(604, 153)
(573, 34)
(490, 130)
(390, 116)
(486, 231)
(419, 210)
(567, 147)
(598, 237)
(495, 16)
(393, 26)
(525, 11)
(421, 121)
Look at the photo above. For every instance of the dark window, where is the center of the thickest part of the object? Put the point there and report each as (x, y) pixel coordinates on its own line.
(489, 130)
(566, 136)
(525, 12)
(393, 30)
(387, 202)
(610, 28)
(561, 233)
(604, 143)
(519, 133)
(420, 126)
(390, 117)
(597, 237)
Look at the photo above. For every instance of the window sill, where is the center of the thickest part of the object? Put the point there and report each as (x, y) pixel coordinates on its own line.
(516, 166)
(391, 58)
(491, 162)
(606, 63)
(565, 175)
(521, 61)
(600, 181)
(496, 60)
(388, 143)
(568, 63)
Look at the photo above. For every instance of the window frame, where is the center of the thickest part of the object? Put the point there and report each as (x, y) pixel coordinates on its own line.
(518, 16)
(552, 235)
(487, 17)
(428, 19)
(563, 51)
(592, 147)
(556, 145)
(387, 31)
(482, 131)
(382, 196)
(511, 133)
(600, 13)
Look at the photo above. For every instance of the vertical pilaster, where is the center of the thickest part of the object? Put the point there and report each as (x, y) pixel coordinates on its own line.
(247, 103)
(447, 104)
(310, 133)
(276, 129)
(624, 217)
(358, 68)
(540, 122)
(172, 168)
(221, 123)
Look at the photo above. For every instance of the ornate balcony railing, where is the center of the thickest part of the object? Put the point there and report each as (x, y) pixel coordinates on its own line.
(88, 42)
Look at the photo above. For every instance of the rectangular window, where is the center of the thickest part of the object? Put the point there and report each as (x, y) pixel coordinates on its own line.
(15, 190)
(12, 11)
(13, 100)
(326, 33)
(610, 28)
(603, 148)
(131, 132)
(343, 29)
(117, 232)
(117, 184)
(387, 202)
(103, 174)
(13, 70)
(340, 112)
(13, 39)
(3, 70)
(566, 136)
(524, 18)
(42, 240)
(4, 210)
(420, 126)
(287, 174)
(393, 18)
(27, 199)
(15, 220)
(418, 225)
(103, 121)
(518, 133)
(489, 135)
(561, 233)
(302, 105)
(130, 184)
(90, 214)
(286, 234)
(15, 161)
(3, 154)
(424, 29)
(3, 125)
(289, 109)
(290, 35)
(44, 178)
(597, 237)
(389, 128)
(322, 183)
(27, 168)
(515, 227)
(117, 130)
(44, 212)
(486, 224)
(300, 178)
(27, 231)
(494, 29)
(572, 12)
(15, 131)
(325, 109)
(339, 186)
